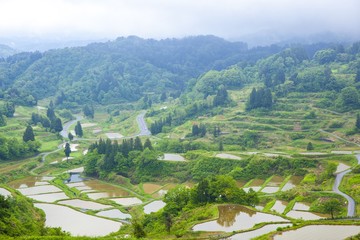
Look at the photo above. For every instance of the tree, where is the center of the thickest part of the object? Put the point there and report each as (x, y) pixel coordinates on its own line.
(28, 134)
(70, 136)
(88, 111)
(9, 109)
(163, 97)
(67, 150)
(332, 206)
(138, 230)
(357, 124)
(148, 145)
(50, 114)
(309, 147)
(138, 144)
(2, 120)
(221, 147)
(78, 129)
(357, 76)
(56, 125)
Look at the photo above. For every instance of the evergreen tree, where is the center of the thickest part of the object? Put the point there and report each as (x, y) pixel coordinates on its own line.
(56, 125)
(195, 130)
(70, 136)
(221, 97)
(88, 111)
(148, 145)
(9, 109)
(50, 114)
(163, 97)
(2, 120)
(28, 134)
(357, 76)
(78, 129)
(309, 147)
(67, 150)
(221, 147)
(357, 124)
(51, 105)
(138, 144)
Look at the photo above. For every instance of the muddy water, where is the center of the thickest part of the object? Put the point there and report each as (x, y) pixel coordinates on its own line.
(127, 201)
(301, 206)
(30, 181)
(104, 190)
(258, 232)
(279, 206)
(50, 197)
(293, 182)
(154, 206)
(84, 204)
(273, 185)
(114, 213)
(319, 232)
(236, 217)
(255, 185)
(75, 222)
(240, 183)
(151, 187)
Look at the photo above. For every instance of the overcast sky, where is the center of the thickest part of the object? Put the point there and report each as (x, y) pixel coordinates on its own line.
(230, 19)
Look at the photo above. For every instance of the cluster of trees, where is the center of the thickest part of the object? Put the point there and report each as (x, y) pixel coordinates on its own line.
(7, 110)
(88, 111)
(261, 98)
(128, 158)
(158, 125)
(198, 130)
(38, 118)
(11, 148)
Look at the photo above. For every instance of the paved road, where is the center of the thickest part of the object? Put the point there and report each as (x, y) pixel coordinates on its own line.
(64, 133)
(144, 131)
(350, 200)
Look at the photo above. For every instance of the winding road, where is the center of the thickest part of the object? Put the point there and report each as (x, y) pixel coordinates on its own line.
(350, 200)
(64, 133)
(144, 131)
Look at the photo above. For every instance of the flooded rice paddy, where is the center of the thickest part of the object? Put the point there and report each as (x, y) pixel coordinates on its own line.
(85, 204)
(154, 206)
(258, 232)
(273, 185)
(5, 192)
(279, 206)
(114, 213)
(228, 156)
(75, 222)
(172, 157)
(49, 197)
(319, 232)
(150, 188)
(293, 182)
(130, 201)
(235, 218)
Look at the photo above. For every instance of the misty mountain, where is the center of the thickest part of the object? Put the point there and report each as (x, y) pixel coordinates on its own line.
(6, 51)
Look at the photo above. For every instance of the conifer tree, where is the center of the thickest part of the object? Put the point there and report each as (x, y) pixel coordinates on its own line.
(56, 125)
(78, 129)
(309, 147)
(28, 134)
(70, 136)
(138, 144)
(2, 120)
(357, 124)
(67, 150)
(148, 145)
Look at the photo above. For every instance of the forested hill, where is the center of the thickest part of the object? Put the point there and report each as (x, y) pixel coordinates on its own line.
(115, 71)
(129, 68)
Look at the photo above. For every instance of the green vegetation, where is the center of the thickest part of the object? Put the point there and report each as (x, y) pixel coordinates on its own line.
(240, 118)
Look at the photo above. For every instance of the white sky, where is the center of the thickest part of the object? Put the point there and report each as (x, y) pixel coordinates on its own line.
(230, 19)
